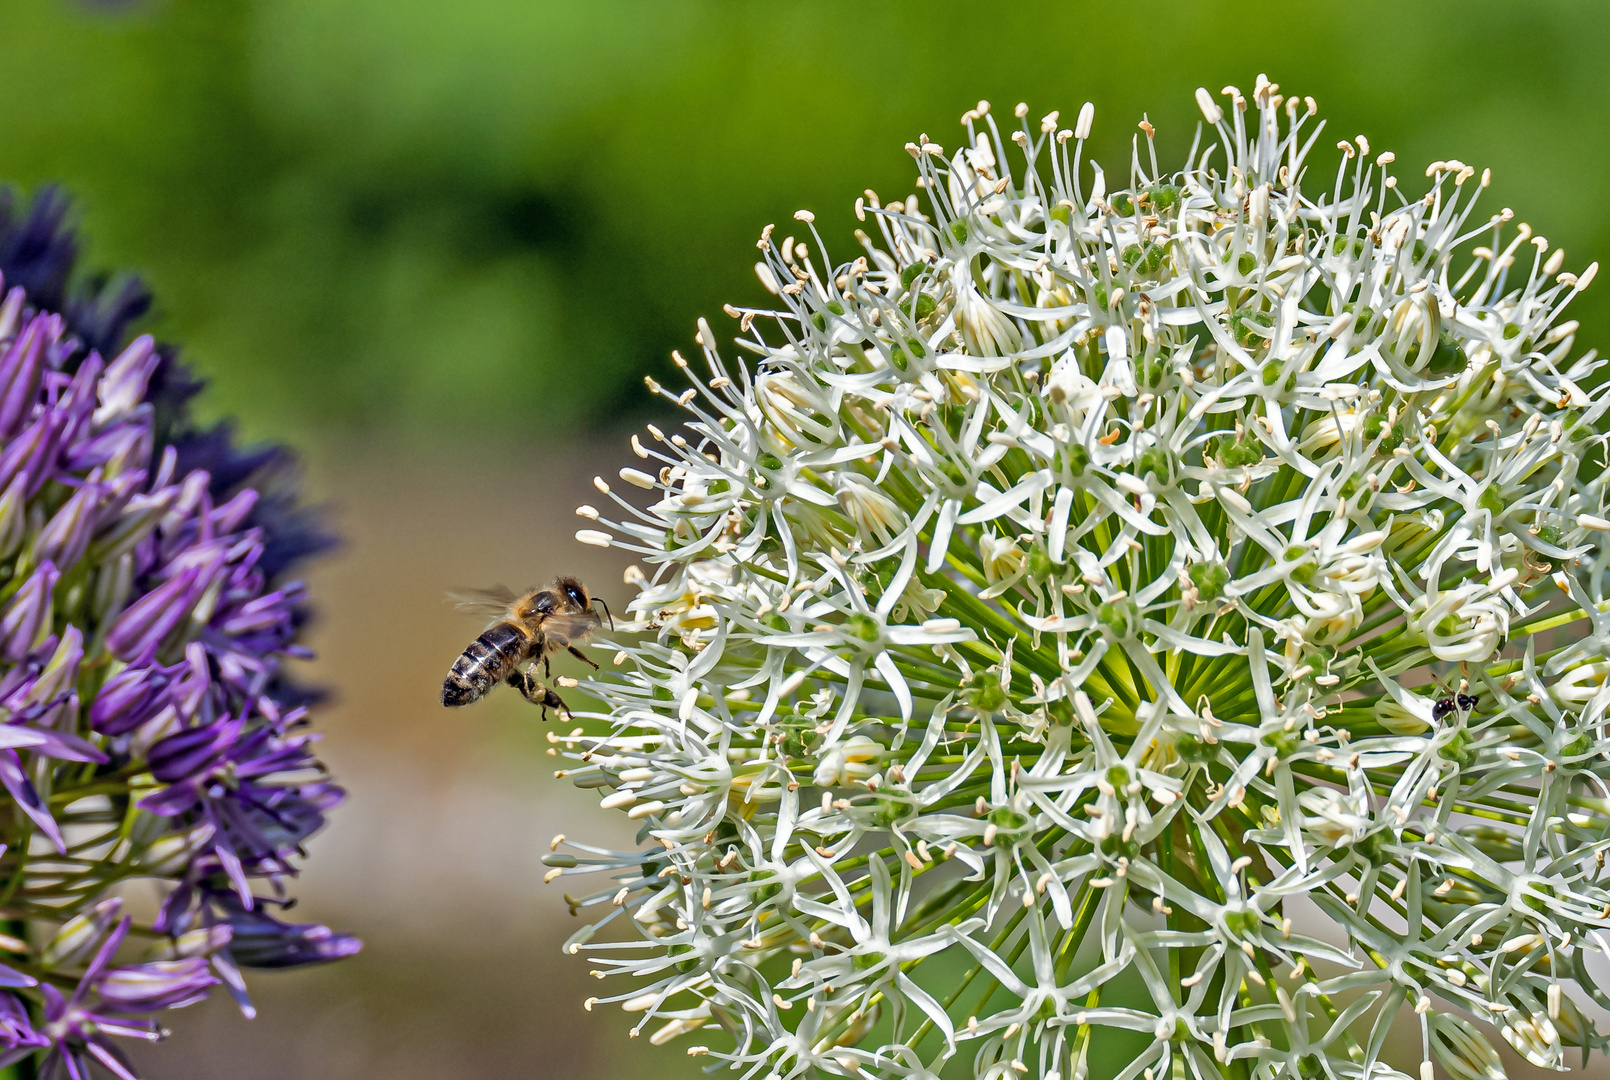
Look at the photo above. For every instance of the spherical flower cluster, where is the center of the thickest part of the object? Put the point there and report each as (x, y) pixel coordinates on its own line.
(146, 731)
(1165, 615)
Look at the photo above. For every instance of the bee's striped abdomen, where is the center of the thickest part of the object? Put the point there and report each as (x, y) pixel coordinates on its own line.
(487, 662)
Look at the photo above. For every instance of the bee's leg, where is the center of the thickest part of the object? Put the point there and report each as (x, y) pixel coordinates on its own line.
(536, 693)
(579, 655)
(551, 700)
(523, 682)
(551, 645)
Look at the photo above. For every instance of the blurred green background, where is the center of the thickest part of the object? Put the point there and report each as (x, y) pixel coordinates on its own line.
(495, 215)
(438, 245)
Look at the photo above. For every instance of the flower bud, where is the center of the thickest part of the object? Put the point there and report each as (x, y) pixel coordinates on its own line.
(160, 984)
(13, 517)
(80, 934)
(123, 385)
(61, 671)
(20, 370)
(67, 534)
(1000, 555)
(1462, 1050)
(128, 699)
(848, 762)
(202, 941)
(147, 622)
(27, 456)
(193, 752)
(875, 514)
(261, 941)
(27, 619)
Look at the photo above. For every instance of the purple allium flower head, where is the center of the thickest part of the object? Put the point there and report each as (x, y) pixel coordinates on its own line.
(145, 614)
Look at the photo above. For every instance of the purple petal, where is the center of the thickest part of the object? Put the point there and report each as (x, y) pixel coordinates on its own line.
(59, 744)
(171, 801)
(234, 983)
(173, 917)
(111, 1057)
(271, 610)
(148, 1030)
(14, 735)
(77, 1067)
(237, 875)
(12, 977)
(22, 790)
(13, 1014)
(104, 954)
(227, 518)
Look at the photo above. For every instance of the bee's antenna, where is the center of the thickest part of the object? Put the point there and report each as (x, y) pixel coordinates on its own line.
(605, 606)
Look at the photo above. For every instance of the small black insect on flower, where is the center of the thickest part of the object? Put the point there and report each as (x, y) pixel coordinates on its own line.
(1463, 702)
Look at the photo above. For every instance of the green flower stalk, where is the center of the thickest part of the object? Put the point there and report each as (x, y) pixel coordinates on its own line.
(1195, 586)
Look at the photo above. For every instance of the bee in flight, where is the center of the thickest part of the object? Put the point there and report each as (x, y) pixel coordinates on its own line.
(526, 630)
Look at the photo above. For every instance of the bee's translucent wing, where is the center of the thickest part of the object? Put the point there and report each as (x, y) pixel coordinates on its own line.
(569, 627)
(492, 603)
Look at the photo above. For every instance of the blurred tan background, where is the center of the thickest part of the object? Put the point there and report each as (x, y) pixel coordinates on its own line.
(434, 859)
(436, 247)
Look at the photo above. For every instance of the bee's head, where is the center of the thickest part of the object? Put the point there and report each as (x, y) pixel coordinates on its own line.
(574, 592)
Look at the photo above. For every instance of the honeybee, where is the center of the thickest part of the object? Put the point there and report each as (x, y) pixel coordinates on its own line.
(527, 629)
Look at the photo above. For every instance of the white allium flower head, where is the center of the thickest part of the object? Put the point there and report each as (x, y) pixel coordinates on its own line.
(1173, 605)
